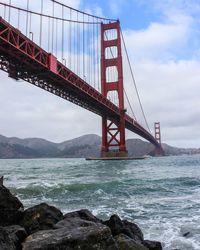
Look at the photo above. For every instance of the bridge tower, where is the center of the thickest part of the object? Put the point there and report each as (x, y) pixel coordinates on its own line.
(158, 151)
(113, 133)
(157, 132)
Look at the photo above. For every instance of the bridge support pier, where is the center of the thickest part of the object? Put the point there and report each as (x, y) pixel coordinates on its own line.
(113, 140)
(113, 133)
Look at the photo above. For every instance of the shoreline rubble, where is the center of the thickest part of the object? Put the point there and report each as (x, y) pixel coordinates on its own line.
(44, 227)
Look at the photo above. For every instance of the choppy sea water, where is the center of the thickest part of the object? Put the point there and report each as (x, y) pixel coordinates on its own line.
(162, 195)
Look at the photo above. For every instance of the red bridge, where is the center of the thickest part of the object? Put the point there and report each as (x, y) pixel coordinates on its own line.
(89, 63)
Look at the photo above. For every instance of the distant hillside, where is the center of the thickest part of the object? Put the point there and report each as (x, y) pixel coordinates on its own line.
(84, 146)
(12, 147)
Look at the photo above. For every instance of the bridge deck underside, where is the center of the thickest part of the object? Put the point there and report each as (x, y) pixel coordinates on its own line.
(23, 59)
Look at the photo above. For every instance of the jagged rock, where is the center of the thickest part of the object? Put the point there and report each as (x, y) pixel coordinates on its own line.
(126, 243)
(17, 235)
(92, 237)
(152, 245)
(83, 214)
(10, 208)
(73, 222)
(119, 226)
(40, 217)
(81, 218)
(6, 241)
(1, 180)
(186, 234)
(50, 230)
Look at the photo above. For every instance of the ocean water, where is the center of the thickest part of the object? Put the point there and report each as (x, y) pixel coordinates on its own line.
(162, 195)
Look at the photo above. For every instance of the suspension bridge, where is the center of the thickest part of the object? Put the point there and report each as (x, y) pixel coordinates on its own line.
(79, 57)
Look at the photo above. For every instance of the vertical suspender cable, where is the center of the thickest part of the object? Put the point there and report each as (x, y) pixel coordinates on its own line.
(94, 52)
(62, 49)
(30, 23)
(77, 42)
(9, 10)
(18, 19)
(27, 17)
(83, 48)
(91, 54)
(30, 33)
(41, 23)
(4, 12)
(88, 52)
(48, 34)
(98, 54)
(56, 38)
(52, 35)
(70, 48)
(74, 45)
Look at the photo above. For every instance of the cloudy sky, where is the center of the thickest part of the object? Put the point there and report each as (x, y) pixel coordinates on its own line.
(163, 41)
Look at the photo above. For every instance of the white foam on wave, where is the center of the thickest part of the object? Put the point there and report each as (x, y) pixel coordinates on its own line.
(171, 232)
(165, 210)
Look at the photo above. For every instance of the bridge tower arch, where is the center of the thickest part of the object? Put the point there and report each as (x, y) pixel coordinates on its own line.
(113, 133)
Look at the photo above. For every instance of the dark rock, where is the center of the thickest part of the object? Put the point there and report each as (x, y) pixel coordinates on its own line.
(1, 180)
(73, 222)
(10, 208)
(17, 235)
(126, 243)
(79, 230)
(119, 226)
(93, 237)
(186, 234)
(152, 245)
(40, 217)
(6, 242)
(83, 214)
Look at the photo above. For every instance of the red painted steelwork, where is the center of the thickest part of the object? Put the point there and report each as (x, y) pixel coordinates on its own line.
(52, 63)
(112, 137)
(21, 58)
(28, 61)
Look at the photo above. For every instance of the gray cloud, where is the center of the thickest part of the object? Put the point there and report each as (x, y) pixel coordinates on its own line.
(29, 111)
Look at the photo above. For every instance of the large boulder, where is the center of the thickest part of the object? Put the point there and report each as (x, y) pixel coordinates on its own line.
(152, 245)
(73, 222)
(92, 237)
(40, 217)
(83, 214)
(125, 227)
(6, 241)
(11, 208)
(126, 243)
(17, 235)
(80, 218)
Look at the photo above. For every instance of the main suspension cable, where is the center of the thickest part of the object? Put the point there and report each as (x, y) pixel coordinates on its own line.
(134, 82)
(123, 88)
(49, 16)
(84, 13)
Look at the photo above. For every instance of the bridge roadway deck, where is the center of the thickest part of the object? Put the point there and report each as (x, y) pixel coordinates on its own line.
(21, 58)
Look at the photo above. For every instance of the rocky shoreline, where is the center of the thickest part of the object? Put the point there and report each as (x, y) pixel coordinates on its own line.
(44, 227)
